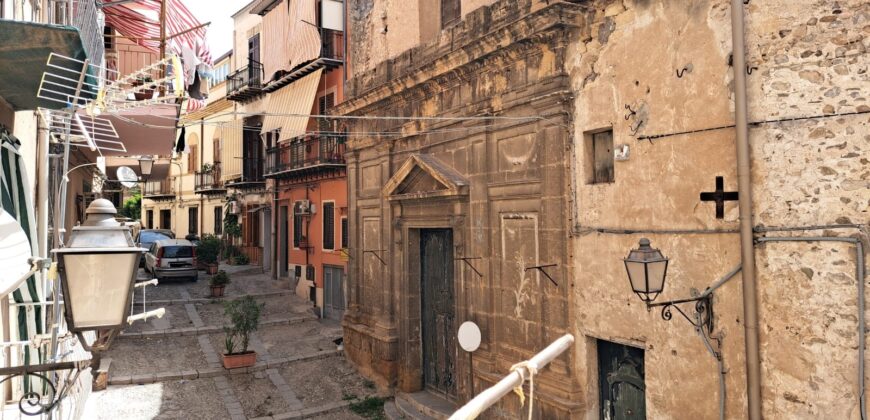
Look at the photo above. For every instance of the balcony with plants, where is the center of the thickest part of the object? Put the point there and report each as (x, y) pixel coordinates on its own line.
(306, 157)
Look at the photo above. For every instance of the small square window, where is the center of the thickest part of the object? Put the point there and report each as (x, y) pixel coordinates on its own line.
(599, 157)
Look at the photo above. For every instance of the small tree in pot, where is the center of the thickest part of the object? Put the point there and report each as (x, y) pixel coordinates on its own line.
(218, 282)
(244, 314)
(208, 251)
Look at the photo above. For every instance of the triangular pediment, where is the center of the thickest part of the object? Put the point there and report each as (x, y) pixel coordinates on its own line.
(424, 176)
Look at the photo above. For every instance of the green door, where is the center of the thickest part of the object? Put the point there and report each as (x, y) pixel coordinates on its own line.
(621, 382)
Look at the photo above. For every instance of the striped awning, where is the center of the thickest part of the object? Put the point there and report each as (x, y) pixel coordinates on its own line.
(294, 102)
(25, 321)
(289, 38)
(140, 20)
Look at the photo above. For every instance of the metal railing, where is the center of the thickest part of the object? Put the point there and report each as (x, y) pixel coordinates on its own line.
(157, 188)
(250, 76)
(210, 179)
(308, 152)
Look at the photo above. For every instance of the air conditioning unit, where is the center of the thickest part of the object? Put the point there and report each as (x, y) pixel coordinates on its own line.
(303, 207)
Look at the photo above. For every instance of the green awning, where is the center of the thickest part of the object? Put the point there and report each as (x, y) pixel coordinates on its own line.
(24, 53)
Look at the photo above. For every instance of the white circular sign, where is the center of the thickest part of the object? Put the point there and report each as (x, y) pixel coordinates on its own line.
(469, 336)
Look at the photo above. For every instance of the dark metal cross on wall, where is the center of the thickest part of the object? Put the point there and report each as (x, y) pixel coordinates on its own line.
(720, 196)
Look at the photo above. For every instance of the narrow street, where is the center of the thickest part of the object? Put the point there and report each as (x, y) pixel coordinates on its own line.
(170, 368)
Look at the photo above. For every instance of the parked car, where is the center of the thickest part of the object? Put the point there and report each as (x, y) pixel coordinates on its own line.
(147, 237)
(172, 258)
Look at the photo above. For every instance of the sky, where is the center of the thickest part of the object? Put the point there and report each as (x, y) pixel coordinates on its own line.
(219, 13)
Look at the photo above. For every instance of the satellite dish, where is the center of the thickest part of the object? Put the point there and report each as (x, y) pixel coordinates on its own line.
(469, 336)
(127, 177)
(14, 253)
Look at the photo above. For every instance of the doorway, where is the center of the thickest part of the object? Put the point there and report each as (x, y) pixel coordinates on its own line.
(333, 292)
(621, 382)
(166, 219)
(283, 242)
(438, 310)
(266, 238)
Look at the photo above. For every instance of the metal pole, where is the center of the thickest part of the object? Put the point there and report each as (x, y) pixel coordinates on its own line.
(744, 188)
(491, 395)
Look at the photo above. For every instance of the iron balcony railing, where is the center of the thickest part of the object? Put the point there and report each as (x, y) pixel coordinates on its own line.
(159, 188)
(209, 180)
(249, 77)
(308, 152)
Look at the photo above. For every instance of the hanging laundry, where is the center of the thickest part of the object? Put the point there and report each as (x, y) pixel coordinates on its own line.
(181, 145)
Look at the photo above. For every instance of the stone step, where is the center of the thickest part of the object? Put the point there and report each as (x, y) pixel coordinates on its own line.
(391, 412)
(425, 405)
(407, 411)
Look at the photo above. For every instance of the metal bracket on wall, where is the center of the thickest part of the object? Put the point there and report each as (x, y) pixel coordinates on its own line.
(375, 253)
(344, 252)
(703, 312)
(465, 260)
(541, 269)
(631, 112)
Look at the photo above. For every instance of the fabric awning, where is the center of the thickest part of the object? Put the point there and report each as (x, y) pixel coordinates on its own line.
(148, 130)
(140, 20)
(24, 53)
(289, 38)
(295, 101)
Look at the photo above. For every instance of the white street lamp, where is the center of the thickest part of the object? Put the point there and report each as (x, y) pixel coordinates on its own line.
(145, 166)
(98, 269)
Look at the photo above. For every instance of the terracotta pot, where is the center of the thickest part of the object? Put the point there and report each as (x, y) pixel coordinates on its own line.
(217, 291)
(240, 360)
(211, 268)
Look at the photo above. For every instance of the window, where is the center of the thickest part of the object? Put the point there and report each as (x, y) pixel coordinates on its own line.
(324, 103)
(450, 12)
(218, 220)
(344, 237)
(328, 225)
(193, 220)
(297, 230)
(108, 39)
(600, 157)
(192, 158)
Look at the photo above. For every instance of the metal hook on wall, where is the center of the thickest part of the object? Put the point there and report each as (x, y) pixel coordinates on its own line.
(686, 69)
(375, 253)
(465, 260)
(541, 269)
(749, 69)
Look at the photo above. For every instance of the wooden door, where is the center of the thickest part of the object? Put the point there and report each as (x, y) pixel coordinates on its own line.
(438, 310)
(621, 382)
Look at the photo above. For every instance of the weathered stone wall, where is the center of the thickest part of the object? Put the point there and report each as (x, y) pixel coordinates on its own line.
(809, 60)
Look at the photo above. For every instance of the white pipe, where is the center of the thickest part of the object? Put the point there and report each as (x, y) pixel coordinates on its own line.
(491, 395)
(144, 316)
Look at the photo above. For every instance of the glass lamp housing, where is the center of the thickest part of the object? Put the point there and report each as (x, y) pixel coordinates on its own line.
(98, 268)
(647, 269)
(146, 164)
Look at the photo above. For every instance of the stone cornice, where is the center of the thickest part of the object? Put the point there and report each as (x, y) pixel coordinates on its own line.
(515, 28)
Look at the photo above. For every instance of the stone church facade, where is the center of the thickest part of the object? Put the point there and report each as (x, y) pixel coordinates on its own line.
(613, 121)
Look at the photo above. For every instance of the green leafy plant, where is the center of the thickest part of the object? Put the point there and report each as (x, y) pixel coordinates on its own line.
(207, 167)
(242, 259)
(231, 252)
(244, 314)
(209, 249)
(370, 408)
(132, 206)
(220, 279)
(229, 340)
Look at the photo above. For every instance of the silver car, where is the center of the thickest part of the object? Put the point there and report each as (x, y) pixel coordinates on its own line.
(172, 258)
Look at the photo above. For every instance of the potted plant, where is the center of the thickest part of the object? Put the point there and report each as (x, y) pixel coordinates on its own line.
(218, 282)
(208, 252)
(244, 316)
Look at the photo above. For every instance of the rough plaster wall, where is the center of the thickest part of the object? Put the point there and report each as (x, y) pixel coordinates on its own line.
(811, 60)
(381, 29)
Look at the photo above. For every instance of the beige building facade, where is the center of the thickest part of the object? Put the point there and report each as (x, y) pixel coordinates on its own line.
(630, 109)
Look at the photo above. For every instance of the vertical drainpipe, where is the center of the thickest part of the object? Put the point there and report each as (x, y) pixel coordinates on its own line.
(744, 188)
(201, 162)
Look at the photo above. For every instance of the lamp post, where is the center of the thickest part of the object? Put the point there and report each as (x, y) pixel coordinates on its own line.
(96, 271)
(146, 164)
(647, 270)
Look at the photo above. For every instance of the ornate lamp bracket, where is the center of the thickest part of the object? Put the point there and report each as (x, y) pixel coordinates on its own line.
(701, 316)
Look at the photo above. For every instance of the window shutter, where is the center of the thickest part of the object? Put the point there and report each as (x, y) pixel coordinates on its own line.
(344, 238)
(450, 12)
(328, 225)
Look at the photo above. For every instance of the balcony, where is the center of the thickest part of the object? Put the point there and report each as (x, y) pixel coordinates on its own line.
(245, 83)
(310, 157)
(252, 175)
(209, 182)
(331, 56)
(160, 190)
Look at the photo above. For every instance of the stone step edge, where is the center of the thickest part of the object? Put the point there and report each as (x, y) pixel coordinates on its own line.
(308, 412)
(210, 329)
(210, 299)
(213, 372)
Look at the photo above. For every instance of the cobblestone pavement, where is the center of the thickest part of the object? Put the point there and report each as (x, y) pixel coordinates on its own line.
(170, 368)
